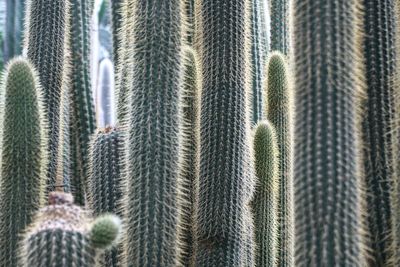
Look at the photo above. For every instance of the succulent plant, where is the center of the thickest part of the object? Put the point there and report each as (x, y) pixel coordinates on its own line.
(105, 96)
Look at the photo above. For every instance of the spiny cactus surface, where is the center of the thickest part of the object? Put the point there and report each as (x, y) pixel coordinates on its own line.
(14, 28)
(280, 36)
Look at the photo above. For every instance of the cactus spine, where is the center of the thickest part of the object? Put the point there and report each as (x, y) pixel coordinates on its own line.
(14, 23)
(279, 112)
(264, 203)
(326, 173)
(280, 37)
(23, 155)
(105, 190)
(226, 181)
(151, 200)
(380, 54)
(105, 96)
(189, 172)
(116, 17)
(45, 45)
(62, 235)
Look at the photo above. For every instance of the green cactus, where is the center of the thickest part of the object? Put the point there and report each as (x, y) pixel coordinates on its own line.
(264, 203)
(23, 155)
(327, 181)
(190, 20)
(151, 200)
(226, 181)
(380, 54)
(116, 17)
(45, 41)
(189, 171)
(105, 189)
(280, 37)
(14, 28)
(259, 49)
(62, 235)
(279, 111)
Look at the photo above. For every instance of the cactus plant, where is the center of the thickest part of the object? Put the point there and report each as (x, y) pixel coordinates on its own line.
(328, 223)
(62, 235)
(264, 203)
(116, 17)
(279, 111)
(105, 96)
(380, 61)
(280, 36)
(14, 28)
(189, 171)
(45, 41)
(190, 20)
(226, 181)
(105, 189)
(151, 198)
(23, 155)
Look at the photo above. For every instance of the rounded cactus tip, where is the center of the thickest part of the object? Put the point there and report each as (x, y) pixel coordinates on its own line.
(60, 198)
(105, 231)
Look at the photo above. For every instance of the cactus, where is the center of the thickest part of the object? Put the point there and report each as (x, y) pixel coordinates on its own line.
(116, 16)
(190, 20)
(105, 96)
(14, 23)
(327, 167)
(23, 155)
(380, 59)
(264, 203)
(259, 49)
(62, 235)
(279, 111)
(226, 181)
(189, 171)
(280, 38)
(151, 200)
(105, 189)
(45, 45)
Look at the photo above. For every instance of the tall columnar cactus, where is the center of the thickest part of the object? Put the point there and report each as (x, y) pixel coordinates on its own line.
(62, 235)
(264, 203)
(105, 95)
(380, 60)
(151, 198)
(226, 181)
(327, 167)
(190, 20)
(23, 155)
(14, 28)
(105, 189)
(280, 37)
(189, 171)
(259, 49)
(83, 120)
(279, 111)
(116, 18)
(45, 46)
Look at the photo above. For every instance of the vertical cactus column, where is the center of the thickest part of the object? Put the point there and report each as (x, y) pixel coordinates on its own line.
(190, 20)
(264, 203)
(279, 111)
(326, 173)
(105, 189)
(280, 37)
(116, 18)
(83, 120)
(62, 235)
(380, 59)
(189, 171)
(14, 28)
(226, 181)
(151, 197)
(23, 155)
(105, 95)
(45, 46)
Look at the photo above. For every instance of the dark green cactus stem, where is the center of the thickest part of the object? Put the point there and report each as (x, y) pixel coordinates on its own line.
(62, 235)
(328, 214)
(14, 28)
(264, 203)
(189, 171)
(151, 202)
(280, 37)
(116, 18)
(259, 49)
(23, 155)
(190, 20)
(105, 189)
(83, 121)
(226, 181)
(45, 45)
(279, 111)
(380, 54)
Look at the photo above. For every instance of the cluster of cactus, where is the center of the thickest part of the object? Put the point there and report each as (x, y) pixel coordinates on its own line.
(212, 144)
